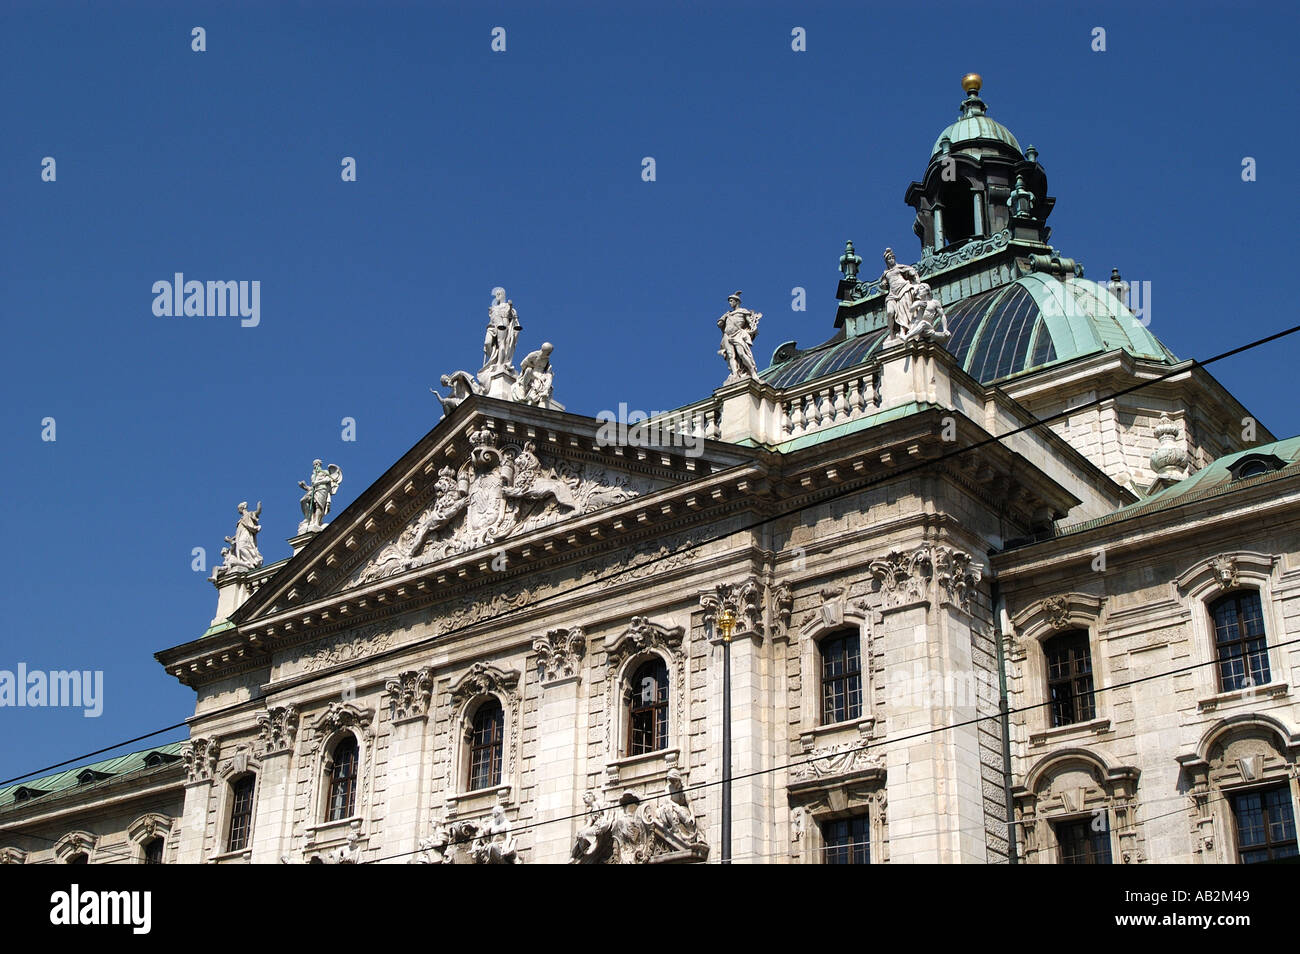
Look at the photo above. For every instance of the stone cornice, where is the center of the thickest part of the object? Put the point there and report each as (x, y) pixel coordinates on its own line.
(699, 503)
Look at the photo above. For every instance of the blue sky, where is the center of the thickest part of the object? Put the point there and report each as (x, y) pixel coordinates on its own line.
(523, 169)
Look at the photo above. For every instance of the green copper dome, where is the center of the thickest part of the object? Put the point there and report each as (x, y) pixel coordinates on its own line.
(1031, 323)
(974, 125)
(970, 128)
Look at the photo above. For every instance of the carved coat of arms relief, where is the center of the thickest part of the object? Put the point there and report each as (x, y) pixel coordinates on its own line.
(498, 492)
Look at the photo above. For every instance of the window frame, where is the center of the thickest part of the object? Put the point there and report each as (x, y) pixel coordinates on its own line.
(1248, 655)
(1268, 846)
(148, 844)
(495, 748)
(234, 813)
(659, 709)
(332, 779)
(852, 848)
(848, 676)
(1090, 839)
(1068, 640)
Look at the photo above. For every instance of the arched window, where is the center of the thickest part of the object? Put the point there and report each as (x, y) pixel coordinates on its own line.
(841, 678)
(241, 813)
(79, 858)
(647, 724)
(343, 779)
(1069, 678)
(1240, 644)
(153, 851)
(486, 741)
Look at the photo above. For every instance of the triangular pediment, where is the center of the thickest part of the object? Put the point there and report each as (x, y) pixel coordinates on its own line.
(491, 474)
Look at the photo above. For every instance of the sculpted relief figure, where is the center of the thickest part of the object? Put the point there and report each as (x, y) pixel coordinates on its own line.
(530, 483)
(502, 332)
(636, 833)
(623, 837)
(674, 813)
(242, 555)
(497, 492)
(435, 848)
(316, 502)
(495, 845)
(739, 328)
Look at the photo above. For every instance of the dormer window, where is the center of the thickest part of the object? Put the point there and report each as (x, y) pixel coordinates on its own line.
(90, 776)
(25, 793)
(1255, 465)
(154, 759)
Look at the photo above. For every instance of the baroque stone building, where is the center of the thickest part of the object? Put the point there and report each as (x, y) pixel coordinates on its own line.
(952, 635)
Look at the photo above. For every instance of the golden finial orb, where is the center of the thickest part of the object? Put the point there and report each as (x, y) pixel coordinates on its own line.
(972, 82)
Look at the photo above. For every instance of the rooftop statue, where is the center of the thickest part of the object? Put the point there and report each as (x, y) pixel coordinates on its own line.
(462, 384)
(901, 283)
(536, 381)
(242, 555)
(739, 328)
(533, 383)
(929, 320)
(502, 332)
(316, 502)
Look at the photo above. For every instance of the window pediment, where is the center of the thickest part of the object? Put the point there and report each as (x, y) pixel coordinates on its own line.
(1055, 613)
(642, 634)
(344, 715)
(1224, 571)
(482, 678)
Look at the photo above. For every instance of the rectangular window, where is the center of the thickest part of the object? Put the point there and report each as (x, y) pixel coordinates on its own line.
(1084, 841)
(153, 851)
(841, 679)
(343, 779)
(241, 813)
(1069, 678)
(846, 841)
(1265, 825)
(1240, 641)
(648, 712)
(486, 737)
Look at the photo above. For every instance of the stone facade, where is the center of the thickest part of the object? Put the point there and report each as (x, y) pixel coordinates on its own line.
(510, 648)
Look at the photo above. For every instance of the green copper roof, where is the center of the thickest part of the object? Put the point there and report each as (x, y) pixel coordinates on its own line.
(970, 128)
(1213, 480)
(1033, 322)
(110, 768)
